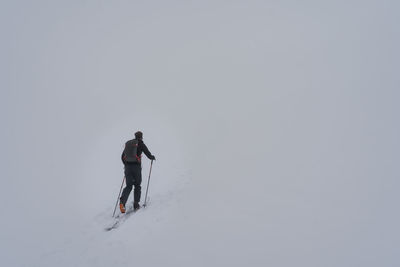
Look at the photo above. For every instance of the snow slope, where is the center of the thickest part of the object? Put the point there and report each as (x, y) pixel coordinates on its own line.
(274, 123)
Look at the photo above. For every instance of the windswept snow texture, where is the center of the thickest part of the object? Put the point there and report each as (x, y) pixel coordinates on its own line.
(275, 125)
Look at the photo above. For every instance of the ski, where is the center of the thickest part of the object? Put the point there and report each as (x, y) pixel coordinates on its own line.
(119, 219)
(122, 217)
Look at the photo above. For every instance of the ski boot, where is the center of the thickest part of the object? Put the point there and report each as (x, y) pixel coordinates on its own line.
(136, 206)
(122, 208)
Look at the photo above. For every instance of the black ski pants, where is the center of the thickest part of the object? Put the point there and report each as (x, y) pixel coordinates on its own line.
(133, 177)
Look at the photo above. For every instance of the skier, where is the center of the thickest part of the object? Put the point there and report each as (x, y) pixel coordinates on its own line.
(131, 157)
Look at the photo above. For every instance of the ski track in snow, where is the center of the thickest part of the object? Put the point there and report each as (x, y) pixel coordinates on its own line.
(84, 248)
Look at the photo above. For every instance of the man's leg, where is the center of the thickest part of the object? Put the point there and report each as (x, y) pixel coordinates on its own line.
(129, 178)
(137, 183)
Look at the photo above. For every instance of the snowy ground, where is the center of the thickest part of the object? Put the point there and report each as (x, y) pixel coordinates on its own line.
(147, 230)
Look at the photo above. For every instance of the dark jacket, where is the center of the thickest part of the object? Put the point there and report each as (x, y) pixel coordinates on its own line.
(141, 148)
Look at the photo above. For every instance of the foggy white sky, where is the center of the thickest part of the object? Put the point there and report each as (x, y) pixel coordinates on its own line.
(292, 100)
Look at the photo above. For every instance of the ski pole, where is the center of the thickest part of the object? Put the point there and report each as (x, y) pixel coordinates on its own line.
(123, 180)
(148, 182)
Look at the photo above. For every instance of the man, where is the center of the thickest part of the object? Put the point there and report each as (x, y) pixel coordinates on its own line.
(132, 159)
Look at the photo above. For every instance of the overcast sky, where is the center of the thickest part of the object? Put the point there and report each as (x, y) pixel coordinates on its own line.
(302, 94)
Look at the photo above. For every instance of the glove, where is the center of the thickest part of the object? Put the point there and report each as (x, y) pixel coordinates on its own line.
(153, 158)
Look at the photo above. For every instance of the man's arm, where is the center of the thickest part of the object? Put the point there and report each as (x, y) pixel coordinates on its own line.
(148, 153)
(122, 157)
